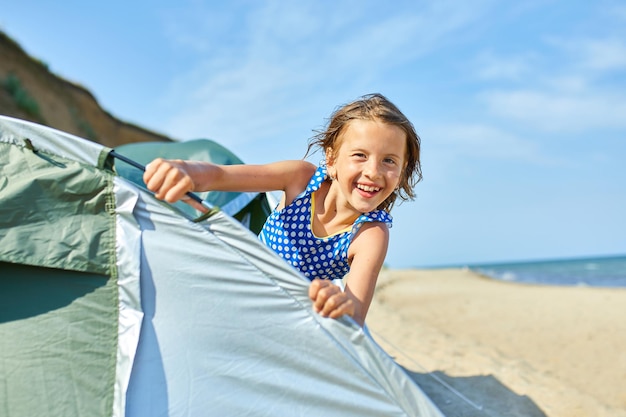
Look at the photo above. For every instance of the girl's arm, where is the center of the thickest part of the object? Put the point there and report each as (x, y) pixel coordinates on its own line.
(170, 180)
(367, 251)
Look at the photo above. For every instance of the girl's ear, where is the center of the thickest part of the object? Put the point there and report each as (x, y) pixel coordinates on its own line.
(330, 163)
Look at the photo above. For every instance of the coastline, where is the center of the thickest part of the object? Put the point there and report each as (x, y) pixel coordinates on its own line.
(506, 349)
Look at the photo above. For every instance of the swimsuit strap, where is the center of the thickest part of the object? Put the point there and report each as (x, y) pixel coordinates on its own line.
(317, 179)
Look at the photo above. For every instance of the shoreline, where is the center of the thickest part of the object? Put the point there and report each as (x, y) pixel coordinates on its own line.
(513, 349)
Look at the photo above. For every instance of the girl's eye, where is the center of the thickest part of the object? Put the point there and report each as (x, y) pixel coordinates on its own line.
(390, 161)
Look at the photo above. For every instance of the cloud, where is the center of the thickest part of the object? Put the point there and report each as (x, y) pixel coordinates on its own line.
(556, 111)
(604, 55)
(491, 67)
(286, 57)
(559, 87)
(479, 141)
(599, 55)
(242, 103)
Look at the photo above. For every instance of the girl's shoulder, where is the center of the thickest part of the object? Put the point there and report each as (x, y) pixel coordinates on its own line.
(298, 168)
(299, 175)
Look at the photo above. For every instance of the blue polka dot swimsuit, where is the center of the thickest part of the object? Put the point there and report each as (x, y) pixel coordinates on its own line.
(288, 232)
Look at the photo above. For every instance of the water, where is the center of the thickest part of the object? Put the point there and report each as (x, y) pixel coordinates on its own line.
(594, 272)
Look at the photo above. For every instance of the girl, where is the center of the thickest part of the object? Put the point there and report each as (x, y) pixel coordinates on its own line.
(333, 218)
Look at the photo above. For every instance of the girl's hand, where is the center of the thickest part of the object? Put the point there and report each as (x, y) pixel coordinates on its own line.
(168, 179)
(329, 300)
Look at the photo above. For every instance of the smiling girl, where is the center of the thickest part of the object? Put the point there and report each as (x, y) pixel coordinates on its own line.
(334, 218)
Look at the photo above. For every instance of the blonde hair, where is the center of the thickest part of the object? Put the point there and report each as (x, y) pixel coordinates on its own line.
(375, 107)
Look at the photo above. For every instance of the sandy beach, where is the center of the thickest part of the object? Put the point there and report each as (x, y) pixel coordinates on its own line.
(481, 347)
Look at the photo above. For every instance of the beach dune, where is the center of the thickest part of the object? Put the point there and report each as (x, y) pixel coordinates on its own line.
(482, 347)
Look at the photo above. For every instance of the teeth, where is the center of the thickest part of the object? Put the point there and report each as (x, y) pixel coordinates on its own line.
(367, 188)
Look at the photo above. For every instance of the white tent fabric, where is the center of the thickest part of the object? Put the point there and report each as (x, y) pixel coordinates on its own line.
(213, 323)
(128, 236)
(229, 330)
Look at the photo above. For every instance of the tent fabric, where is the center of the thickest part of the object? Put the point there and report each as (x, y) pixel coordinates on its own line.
(58, 342)
(52, 186)
(128, 267)
(63, 303)
(174, 318)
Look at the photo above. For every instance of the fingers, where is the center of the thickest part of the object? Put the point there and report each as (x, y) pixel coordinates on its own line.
(195, 204)
(168, 179)
(329, 300)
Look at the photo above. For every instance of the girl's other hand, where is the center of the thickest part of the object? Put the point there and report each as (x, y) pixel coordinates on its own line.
(329, 300)
(168, 179)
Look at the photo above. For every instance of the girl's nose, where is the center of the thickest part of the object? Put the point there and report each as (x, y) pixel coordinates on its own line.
(371, 169)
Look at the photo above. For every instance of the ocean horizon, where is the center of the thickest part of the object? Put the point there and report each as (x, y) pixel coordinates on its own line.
(597, 271)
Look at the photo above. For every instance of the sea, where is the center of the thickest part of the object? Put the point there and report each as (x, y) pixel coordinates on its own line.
(606, 271)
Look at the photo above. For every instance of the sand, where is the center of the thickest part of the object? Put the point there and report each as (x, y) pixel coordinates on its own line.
(481, 347)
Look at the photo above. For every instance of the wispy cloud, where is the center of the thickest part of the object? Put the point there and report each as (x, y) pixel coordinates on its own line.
(492, 67)
(554, 111)
(559, 88)
(594, 54)
(478, 141)
(286, 56)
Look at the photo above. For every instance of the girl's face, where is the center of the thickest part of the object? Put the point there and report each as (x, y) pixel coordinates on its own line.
(368, 164)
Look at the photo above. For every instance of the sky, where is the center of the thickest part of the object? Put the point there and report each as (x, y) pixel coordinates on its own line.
(520, 106)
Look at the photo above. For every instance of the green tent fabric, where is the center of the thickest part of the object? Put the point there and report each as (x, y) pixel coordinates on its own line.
(59, 301)
(113, 303)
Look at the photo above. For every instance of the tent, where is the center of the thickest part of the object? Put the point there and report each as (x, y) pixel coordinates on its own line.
(113, 303)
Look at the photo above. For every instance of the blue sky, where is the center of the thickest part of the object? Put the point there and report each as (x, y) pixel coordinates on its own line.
(521, 106)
